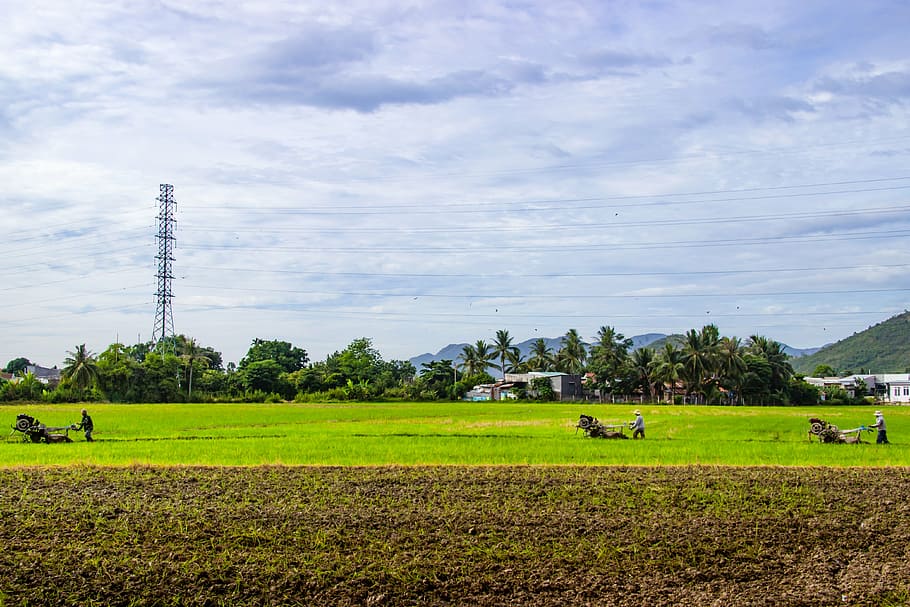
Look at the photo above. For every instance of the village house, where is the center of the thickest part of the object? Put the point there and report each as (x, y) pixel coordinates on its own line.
(50, 377)
(565, 386)
(886, 387)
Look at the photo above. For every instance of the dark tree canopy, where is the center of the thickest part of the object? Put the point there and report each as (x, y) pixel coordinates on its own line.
(288, 357)
(17, 365)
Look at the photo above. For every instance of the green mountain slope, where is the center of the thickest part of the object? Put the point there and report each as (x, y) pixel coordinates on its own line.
(882, 348)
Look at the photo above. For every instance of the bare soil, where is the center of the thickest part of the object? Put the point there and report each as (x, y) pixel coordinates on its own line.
(530, 536)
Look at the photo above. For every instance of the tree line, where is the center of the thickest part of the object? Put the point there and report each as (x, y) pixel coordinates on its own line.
(702, 367)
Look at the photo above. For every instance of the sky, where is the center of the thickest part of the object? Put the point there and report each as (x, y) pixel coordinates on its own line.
(426, 173)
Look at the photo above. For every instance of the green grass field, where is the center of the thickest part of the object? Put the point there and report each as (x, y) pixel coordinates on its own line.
(447, 434)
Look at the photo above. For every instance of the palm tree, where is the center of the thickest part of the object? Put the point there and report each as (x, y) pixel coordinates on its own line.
(475, 359)
(191, 353)
(668, 367)
(485, 355)
(608, 356)
(773, 352)
(468, 358)
(502, 347)
(700, 358)
(80, 368)
(541, 358)
(731, 364)
(572, 354)
(516, 364)
(643, 365)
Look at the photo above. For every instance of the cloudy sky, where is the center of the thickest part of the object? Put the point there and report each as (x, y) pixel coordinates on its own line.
(423, 173)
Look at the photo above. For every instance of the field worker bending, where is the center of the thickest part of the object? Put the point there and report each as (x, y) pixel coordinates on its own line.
(87, 425)
(882, 438)
(637, 425)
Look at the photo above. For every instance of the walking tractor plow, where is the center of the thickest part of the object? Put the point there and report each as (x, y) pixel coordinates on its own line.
(34, 431)
(593, 428)
(829, 433)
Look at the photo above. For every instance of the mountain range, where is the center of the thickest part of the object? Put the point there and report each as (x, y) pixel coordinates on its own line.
(652, 340)
(882, 348)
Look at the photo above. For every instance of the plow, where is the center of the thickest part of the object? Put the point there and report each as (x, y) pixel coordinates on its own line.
(825, 432)
(594, 428)
(33, 431)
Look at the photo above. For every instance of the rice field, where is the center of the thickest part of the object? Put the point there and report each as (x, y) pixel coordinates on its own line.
(429, 434)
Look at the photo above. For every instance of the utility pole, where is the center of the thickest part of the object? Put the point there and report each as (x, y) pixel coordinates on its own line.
(164, 313)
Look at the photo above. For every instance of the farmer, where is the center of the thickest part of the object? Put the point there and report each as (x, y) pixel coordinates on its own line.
(882, 438)
(87, 425)
(637, 425)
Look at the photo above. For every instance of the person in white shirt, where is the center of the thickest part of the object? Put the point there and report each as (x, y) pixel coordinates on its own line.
(882, 438)
(638, 425)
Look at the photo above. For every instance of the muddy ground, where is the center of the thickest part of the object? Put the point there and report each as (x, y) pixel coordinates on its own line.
(529, 536)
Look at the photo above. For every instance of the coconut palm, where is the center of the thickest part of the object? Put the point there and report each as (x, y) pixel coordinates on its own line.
(541, 358)
(475, 359)
(668, 366)
(81, 368)
(608, 357)
(502, 347)
(773, 353)
(515, 363)
(192, 353)
(700, 358)
(643, 367)
(468, 358)
(731, 364)
(572, 354)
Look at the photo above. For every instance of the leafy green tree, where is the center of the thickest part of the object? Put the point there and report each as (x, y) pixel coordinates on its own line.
(119, 374)
(438, 378)
(288, 357)
(360, 368)
(80, 368)
(310, 379)
(263, 375)
(17, 365)
(824, 371)
(542, 389)
(160, 380)
(571, 356)
(29, 387)
(802, 392)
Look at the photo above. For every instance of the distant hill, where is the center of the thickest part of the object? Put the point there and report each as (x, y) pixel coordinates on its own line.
(882, 348)
(452, 351)
(655, 341)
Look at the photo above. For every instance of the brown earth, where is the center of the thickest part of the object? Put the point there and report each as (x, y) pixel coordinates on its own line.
(530, 536)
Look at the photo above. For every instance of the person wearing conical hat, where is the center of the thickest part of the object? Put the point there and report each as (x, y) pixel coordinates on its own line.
(882, 438)
(637, 425)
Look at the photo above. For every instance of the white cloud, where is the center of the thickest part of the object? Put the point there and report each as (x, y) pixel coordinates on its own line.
(426, 174)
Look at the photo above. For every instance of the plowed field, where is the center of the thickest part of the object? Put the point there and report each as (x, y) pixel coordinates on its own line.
(530, 536)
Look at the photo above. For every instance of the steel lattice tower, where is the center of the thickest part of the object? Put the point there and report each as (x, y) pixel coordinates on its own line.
(164, 315)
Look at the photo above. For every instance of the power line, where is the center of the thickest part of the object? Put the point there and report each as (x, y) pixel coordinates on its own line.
(506, 206)
(565, 296)
(688, 244)
(551, 274)
(588, 226)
